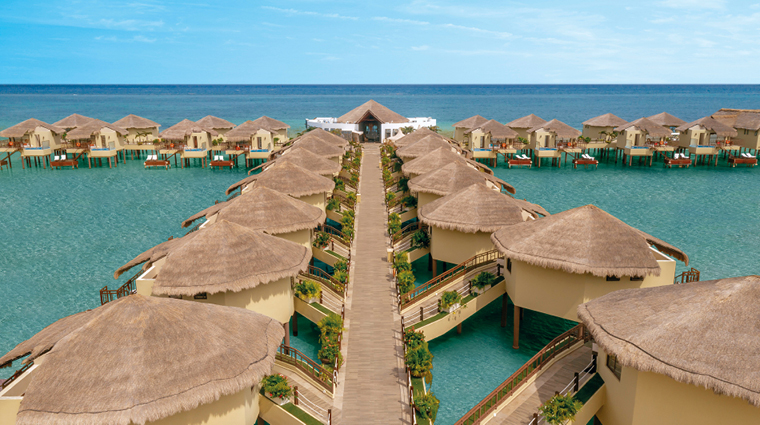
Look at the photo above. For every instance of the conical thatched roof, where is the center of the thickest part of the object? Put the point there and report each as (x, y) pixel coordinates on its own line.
(453, 177)
(422, 147)
(270, 123)
(318, 146)
(73, 121)
(700, 333)
(711, 124)
(415, 136)
(666, 120)
(140, 359)
(308, 160)
(646, 125)
(94, 126)
(133, 121)
(497, 130)
(185, 128)
(476, 208)
(210, 121)
(289, 179)
(526, 122)
(435, 160)
(325, 136)
(471, 122)
(745, 119)
(584, 240)
(606, 120)
(560, 129)
(20, 129)
(244, 132)
(154, 254)
(208, 212)
(380, 112)
(228, 257)
(748, 121)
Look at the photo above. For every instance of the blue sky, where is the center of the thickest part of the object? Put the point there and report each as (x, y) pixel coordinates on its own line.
(388, 42)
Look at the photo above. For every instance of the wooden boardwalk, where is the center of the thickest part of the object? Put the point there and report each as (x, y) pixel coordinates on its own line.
(374, 391)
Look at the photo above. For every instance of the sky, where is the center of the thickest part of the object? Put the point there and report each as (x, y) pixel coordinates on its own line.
(379, 42)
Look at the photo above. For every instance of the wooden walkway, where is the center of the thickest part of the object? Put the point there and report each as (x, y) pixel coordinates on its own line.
(374, 391)
(520, 410)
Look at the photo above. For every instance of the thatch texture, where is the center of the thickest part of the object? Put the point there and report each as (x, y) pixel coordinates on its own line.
(646, 125)
(134, 121)
(712, 125)
(73, 121)
(210, 121)
(745, 119)
(496, 129)
(666, 120)
(476, 208)
(186, 128)
(437, 159)
(606, 120)
(93, 127)
(422, 147)
(319, 147)
(270, 123)
(306, 159)
(526, 122)
(208, 212)
(558, 128)
(471, 122)
(372, 108)
(140, 359)
(701, 333)
(748, 121)
(453, 177)
(289, 179)
(229, 257)
(415, 136)
(28, 126)
(325, 136)
(584, 240)
(154, 254)
(244, 132)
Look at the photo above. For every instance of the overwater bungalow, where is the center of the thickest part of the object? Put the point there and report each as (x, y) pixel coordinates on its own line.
(36, 139)
(325, 136)
(73, 121)
(97, 139)
(318, 147)
(705, 137)
(601, 130)
(676, 354)
(221, 125)
(435, 160)
(142, 131)
(141, 360)
(461, 127)
(490, 138)
(559, 262)
(252, 139)
(189, 140)
(522, 125)
(546, 140)
(666, 120)
(423, 147)
(641, 138)
(415, 136)
(451, 178)
(306, 159)
(747, 124)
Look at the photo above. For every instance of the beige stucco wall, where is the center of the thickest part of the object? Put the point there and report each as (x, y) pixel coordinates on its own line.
(459, 135)
(302, 237)
(691, 137)
(627, 138)
(44, 135)
(749, 139)
(594, 132)
(241, 408)
(133, 137)
(425, 198)
(480, 140)
(196, 140)
(455, 247)
(542, 139)
(9, 409)
(110, 137)
(318, 200)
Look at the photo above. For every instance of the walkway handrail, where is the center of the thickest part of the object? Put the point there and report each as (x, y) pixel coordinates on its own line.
(406, 231)
(296, 358)
(315, 273)
(444, 278)
(16, 375)
(519, 378)
(337, 234)
(129, 287)
(688, 276)
(343, 200)
(346, 181)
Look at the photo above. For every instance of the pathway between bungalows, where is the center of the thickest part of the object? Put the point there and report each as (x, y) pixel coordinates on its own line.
(373, 391)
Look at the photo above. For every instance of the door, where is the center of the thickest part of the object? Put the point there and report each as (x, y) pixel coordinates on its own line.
(102, 141)
(258, 143)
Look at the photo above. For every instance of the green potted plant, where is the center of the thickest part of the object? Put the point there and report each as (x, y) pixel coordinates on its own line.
(341, 276)
(413, 339)
(321, 240)
(405, 281)
(482, 282)
(420, 240)
(333, 204)
(389, 198)
(351, 197)
(450, 301)
(403, 184)
(401, 263)
(560, 409)
(339, 184)
(419, 361)
(341, 266)
(409, 201)
(276, 388)
(308, 291)
(394, 227)
(427, 406)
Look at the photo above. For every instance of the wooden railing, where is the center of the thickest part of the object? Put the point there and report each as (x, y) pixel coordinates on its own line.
(392, 181)
(688, 276)
(519, 378)
(406, 231)
(306, 365)
(347, 182)
(345, 201)
(321, 276)
(194, 228)
(407, 299)
(128, 288)
(16, 375)
(335, 233)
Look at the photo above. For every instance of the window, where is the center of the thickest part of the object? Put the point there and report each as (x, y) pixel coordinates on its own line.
(612, 278)
(201, 296)
(637, 278)
(613, 365)
(509, 265)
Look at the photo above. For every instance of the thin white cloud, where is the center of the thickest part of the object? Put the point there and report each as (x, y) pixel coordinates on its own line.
(480, 31)
(137, 38)
(399, 21)
(694, 4)
(420, 48)
(309, 13)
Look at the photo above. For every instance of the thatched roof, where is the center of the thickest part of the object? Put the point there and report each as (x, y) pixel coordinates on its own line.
(453, 177)
(154, 254)
(558, 128)
(308, 160)
(748, 121)
(318, 146)
(415, 136)
(140, 359)
(185, 128)
(93, 127)
(646, 125)
(710, 124)
(476, 208)
(325, 136)
(20, 129)
(380, 112)
(244, 132)
(497, 130)
(745, 119)
(437, 159)
(701, 333)
(526, 122)
(422, 147)
(208, 212)
(270, 123)
(666, 120)
(133, 121)
(471, 122)
(229, 257)
(210, 121)
(584, 240)
(289, 179)
(606, 120)
(73, 121)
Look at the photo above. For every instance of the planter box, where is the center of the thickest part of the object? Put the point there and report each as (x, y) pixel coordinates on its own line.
(477, 291)
(451, 308)
(279, 401)
(310, 300)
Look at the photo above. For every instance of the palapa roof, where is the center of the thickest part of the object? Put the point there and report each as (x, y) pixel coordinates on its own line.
(246, 130)
(666, 120)
(150, 256)
(270, 123)
(289, 179)
(471, 122)
(700, 333)
(745, 119)
(229, 257)
(559, 129)
(606, 120)
(210, 121)
(497, 130)
(185, 128)
(140, 359)
(92, 127)
(748, 121)
(476, 208)
(646, 125)
(437, 159)
(208, 212)
(318, 146)
(422, 147)
(73, 121)
(308, 160)
(453, 177)
(584, 240)
(711, 124)
(20, 129)
(134, 121)
(380, 112)
(415, 136)
(526, 122)
(325, 136)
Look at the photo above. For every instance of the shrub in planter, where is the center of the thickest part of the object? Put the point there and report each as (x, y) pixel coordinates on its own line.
(354, 180)
(396, 167)
(401, 262)
(339, 184)
(450, 301)
(347, 222)
(341, 266)
(560, 408)
(414, 340)
(386, 175)
(321, 240)
(427, 405)
(341, 276)
(331, 323)
(276, 388)
(393, 228)
(403, 184)
(349, 232)
(420, 239)
(349, 213)
(389, 197)
(409, 201)
(328, 353)
(356, 162)
(482, 282)
(385, 161)
(351, 197)
(394, 217)
(405, 281)
(333, 204)
(419, 361)
(308, 291)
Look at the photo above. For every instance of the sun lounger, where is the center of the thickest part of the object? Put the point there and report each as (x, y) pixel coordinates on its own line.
(749, 160)
(678, 159)
(520, 160)
(153, 161)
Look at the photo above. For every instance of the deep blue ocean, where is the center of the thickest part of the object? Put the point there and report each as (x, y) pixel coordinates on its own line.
(64, 232)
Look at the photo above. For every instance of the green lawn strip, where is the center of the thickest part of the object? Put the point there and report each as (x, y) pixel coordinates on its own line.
(591, 387)
(427, 321)
(321, 308)
(301, 415)
(335, 254)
